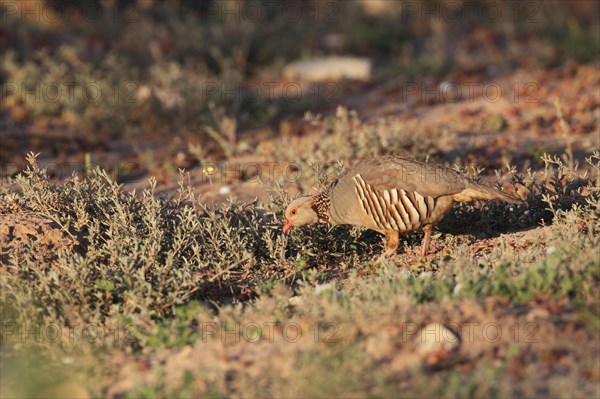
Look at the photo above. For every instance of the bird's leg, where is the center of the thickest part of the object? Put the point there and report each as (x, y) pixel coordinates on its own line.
(426, 239)
(391, 245)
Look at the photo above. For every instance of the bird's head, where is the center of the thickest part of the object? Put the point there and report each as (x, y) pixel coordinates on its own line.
(300, 212)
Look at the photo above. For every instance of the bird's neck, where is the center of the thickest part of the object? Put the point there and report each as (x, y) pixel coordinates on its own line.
(320, 204)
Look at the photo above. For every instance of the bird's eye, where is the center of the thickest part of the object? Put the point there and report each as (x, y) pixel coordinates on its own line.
(294, 211)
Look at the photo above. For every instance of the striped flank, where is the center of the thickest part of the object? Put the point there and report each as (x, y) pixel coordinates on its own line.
(394, 209)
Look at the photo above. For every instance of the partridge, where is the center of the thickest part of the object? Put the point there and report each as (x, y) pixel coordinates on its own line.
(391, 195)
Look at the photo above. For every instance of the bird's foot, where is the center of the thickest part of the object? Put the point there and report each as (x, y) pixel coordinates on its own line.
(391, 245)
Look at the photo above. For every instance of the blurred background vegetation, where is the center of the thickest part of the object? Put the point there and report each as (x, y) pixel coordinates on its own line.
(137, 79)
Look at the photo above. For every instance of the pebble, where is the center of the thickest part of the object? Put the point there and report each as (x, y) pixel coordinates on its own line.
(296, 300)
(435, 337)
(329, 68)
(457, 288)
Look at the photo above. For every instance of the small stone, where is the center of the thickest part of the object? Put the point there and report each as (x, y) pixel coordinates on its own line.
(329, 68)
(537, 313)
(457, 288)
(435, 337)
(296, 300)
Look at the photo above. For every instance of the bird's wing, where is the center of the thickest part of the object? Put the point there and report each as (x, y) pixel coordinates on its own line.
(427, 179)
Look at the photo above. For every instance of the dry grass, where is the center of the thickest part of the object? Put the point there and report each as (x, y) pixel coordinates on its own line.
(146, 267)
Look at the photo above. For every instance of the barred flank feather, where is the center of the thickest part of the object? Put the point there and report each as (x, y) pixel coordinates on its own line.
(393, 209)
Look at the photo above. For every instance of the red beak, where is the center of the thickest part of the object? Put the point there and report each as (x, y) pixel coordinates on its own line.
(288, 225)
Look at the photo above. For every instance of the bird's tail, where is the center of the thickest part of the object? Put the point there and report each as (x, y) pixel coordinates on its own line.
(476, 191)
